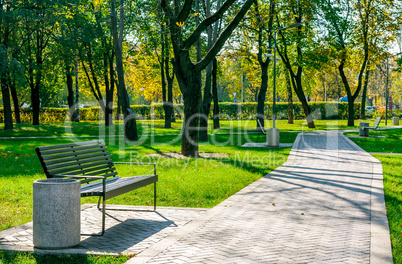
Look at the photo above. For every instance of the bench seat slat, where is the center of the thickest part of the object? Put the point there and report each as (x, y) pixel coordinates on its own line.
(72, 149)
(98, 183)
(92, 142)
(98, 171)
(78, 162)
(120, 186)
(74, 154)
(88, 180)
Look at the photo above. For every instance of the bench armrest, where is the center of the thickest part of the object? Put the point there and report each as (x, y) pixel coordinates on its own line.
(138, 163)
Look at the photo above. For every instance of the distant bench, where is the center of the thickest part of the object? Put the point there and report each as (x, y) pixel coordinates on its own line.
(367, 129)
(91, 163)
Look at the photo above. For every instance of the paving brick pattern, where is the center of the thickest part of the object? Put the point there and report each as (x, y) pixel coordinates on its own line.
(127, 232)
(313, 209)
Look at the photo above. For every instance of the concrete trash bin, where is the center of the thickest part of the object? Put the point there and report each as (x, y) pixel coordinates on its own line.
(56, 213)
(273, 137)
(395, 121)
(361, 128)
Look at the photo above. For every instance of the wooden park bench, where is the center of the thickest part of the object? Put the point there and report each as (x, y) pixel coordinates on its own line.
(91, 163)
(374, 127)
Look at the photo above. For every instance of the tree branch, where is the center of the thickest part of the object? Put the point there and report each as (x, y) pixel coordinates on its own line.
(224, 36)
(185, 11)
(206, 23)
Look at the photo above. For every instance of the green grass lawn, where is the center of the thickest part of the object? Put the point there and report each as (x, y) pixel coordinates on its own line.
(392, 169)
(390, 143)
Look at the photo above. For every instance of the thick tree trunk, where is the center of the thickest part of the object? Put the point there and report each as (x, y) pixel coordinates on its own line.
(351, 98)
(290, 98)
(215, 94)
(192, 99)
(8, 117)
(351, 112)
(190, 85)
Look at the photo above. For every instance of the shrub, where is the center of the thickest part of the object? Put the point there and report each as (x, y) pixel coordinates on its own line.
(321, 110)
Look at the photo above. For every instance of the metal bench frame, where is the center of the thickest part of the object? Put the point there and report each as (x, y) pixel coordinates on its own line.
(91, 163)
(374, 127)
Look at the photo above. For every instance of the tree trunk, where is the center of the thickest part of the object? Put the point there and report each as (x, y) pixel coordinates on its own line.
(363, 106)
(190, 84)
(264, 62)
(70, 97)
(261, 97)
(109, 93)
(215, 94)
(76, 114)
(130, 124)
(8, 117)
(188, 74)
(14, 96)
(206, 103)
(290, 98)
(35, 104)
(109, 84)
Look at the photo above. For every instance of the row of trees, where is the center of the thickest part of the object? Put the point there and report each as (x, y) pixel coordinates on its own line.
(179, 43)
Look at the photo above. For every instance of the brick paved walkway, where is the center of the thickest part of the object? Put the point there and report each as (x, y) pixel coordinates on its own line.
(324, 205)
(127, 232)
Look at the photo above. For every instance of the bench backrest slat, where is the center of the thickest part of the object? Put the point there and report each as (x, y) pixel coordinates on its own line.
(82, 158)
(77, 163)
(57, 158)
(83, 166)
(70, 150)
(377, 122)
(84, 143)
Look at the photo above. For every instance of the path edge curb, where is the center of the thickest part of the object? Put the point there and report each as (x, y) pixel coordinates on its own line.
(380, 239)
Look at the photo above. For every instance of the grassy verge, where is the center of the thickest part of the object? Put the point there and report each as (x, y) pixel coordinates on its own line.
(390, 142)
(392, 170)
(11, 258)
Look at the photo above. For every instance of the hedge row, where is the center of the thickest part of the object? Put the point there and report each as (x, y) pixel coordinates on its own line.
(321, 110)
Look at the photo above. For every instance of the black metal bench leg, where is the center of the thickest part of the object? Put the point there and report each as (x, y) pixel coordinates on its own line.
(103, 215)
(155, 196)
(100, 197)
